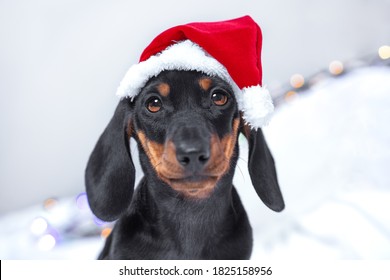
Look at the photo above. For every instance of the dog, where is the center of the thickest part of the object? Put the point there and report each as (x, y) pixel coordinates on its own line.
(186, 125)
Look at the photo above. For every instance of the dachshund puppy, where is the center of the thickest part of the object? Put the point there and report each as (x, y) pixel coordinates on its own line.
(186, 125)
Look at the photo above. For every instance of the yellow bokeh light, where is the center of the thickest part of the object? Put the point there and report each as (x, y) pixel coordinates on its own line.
(336, 67)
(297, 81)
(105, 232)
(384, 52)
(289, 95)
(49, 203)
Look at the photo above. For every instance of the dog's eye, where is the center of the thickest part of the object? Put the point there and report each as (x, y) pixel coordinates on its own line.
(154, 104)
(219, 97)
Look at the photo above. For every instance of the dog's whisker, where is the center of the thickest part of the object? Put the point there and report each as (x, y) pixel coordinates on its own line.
(244, 160)
(242, 174)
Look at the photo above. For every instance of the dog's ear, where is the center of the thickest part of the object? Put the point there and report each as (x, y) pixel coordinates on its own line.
(110, 172)
(262, 169)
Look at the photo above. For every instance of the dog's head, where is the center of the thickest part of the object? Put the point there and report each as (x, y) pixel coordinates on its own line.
(186, 125)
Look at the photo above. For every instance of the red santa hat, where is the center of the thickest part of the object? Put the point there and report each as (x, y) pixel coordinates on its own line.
(228, 49)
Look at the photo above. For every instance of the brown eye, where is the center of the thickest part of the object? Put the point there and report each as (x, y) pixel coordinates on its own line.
(154, 104)
(219, 98)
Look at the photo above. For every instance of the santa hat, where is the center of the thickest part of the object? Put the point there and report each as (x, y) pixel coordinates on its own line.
(228, 49)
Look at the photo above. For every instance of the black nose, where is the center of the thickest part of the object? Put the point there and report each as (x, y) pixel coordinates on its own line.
(192, 156)
(192, 149)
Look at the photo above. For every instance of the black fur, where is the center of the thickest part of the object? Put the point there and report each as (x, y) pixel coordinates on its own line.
(159, 222)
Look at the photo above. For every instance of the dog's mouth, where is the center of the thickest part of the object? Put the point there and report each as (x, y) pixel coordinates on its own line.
(192, 179)
(194, 186)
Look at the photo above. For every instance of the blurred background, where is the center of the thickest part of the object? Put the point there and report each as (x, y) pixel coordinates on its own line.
(325, 62)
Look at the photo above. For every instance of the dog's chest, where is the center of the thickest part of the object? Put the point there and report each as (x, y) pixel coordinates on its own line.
(189, 236)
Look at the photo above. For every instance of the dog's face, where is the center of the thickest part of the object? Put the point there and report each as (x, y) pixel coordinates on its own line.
(187, 124)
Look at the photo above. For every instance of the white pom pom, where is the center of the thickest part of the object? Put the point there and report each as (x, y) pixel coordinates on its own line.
(256, 104)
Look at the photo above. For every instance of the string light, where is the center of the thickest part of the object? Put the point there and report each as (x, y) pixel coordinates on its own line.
(384, 52)
(336, 67)
(297, 81)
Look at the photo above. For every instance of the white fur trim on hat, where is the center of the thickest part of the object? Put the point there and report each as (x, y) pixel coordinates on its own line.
(255, 102)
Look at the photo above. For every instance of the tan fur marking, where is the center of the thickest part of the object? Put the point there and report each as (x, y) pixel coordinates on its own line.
(164, 89)
(205, 83)
(170, 167)
(153, 150)
(217, 164)
(229, 141)
(222, 151)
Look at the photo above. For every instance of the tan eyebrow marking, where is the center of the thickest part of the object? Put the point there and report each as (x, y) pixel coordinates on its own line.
(205, 83)
(164, 89)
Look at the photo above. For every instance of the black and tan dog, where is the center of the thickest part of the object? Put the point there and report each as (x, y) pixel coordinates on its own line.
(186, 125)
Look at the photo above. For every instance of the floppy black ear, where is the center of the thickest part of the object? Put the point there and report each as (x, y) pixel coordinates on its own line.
(262, 170)
(110, 173)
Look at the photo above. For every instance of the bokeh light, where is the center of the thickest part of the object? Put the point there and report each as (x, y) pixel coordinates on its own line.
(98, 221)
(105, 232)
(49, 203)
(82, 201)
(289, 95)
(39, 226)
(336, 67)
(46, 242)
(297, 81)
(384, 52)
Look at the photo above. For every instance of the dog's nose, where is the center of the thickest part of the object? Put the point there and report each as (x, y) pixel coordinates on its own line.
(192, 156)
(192, 148)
